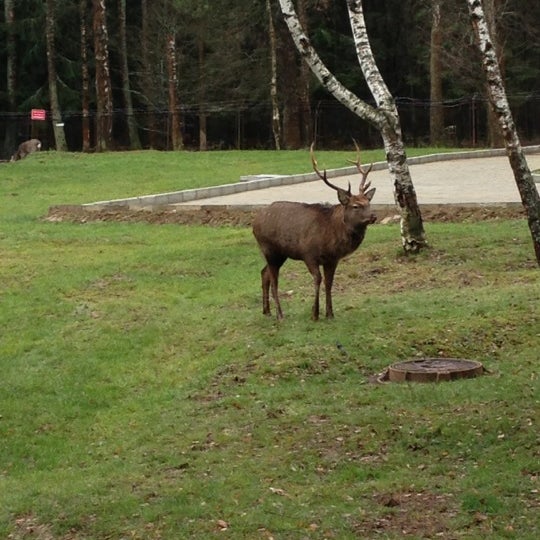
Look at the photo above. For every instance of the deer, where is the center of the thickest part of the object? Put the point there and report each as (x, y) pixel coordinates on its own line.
(25, 148)
(317, 234)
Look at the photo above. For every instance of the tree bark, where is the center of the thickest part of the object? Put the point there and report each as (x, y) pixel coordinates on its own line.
(499, 102)
(276, 122)
(304, 80)
(134, 141)
(56, 115)
(436, 111)
(384, 117)
(104, 104)
(174, 107)
(201, 96)
(291, 136)
(495, 138)
(10, 142)
(147, 75)
(412, 229)
(85, 76)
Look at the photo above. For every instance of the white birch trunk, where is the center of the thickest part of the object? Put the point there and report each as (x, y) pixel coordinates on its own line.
(499, 102)
(342, 94)
(411, 220)
(276, 120)
(384, 118)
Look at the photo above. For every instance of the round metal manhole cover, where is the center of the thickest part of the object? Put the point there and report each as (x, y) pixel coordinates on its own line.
(433, 370)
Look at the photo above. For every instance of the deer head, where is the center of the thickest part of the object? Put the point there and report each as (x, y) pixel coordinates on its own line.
(346, 197)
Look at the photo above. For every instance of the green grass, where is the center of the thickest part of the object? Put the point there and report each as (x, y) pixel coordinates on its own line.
(144, 395)
(69, 178)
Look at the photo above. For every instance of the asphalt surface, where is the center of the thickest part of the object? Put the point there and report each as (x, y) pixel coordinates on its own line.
(482, 180)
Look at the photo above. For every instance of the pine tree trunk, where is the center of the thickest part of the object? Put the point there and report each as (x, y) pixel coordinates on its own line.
(495, 138)
(147, 75)
(201, 96)
(135, 142)
(499, 102)
(174, 107)
(85, 76)
(294, 83)
(436, 111)
(58, 125)
(291, 136)
(304, 79)
(10, 141)
(104, 105)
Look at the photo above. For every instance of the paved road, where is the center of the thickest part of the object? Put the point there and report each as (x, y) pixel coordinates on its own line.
(474, 180)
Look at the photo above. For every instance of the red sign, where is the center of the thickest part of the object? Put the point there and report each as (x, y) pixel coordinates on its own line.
(38, 114)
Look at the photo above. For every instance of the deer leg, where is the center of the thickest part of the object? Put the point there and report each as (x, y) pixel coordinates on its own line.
(329, 271)
(270, 276)
(316, 273)
(274, 275)
(265, 278)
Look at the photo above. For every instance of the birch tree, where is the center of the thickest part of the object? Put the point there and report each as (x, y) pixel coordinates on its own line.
(499, 103)
(276, 123)
(384, 117)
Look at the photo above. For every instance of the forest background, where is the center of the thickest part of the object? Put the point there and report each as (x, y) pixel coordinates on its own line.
(196, 74)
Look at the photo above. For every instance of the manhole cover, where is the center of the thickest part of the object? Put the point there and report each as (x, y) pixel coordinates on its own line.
(433, 370)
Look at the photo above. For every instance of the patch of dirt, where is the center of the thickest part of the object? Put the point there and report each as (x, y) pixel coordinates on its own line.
(417, 514)
(222, 215)
(28, 527)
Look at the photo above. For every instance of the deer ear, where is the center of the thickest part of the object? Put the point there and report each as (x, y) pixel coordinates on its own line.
(370, 194)
(344, 196)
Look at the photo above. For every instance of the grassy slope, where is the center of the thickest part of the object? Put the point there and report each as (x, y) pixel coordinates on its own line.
(79, 178)
(143, 394)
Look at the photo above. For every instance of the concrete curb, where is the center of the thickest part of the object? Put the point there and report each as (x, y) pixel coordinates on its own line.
(187, 195)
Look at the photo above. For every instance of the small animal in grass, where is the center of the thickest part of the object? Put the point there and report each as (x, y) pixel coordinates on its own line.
(319, 235)
(26, 148)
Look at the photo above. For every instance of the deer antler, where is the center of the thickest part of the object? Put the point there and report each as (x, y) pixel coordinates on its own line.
(322, 175)
(363, 172)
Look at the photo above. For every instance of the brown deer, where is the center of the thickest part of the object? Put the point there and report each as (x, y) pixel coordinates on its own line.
(319, 235)
(25, 148)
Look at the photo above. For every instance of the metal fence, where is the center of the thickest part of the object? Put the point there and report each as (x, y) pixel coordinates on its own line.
(248, 126)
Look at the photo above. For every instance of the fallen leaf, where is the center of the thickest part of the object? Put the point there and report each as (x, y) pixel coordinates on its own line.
(222, 524)
(279, 491)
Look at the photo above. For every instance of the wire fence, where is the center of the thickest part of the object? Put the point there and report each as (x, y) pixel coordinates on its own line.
(235, 125)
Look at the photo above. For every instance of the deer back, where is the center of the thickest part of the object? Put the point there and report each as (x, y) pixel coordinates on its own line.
(317, 231)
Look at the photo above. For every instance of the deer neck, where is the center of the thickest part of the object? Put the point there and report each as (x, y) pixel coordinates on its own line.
(353, 235)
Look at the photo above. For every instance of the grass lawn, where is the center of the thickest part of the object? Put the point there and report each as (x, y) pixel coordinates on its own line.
(144, 395)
